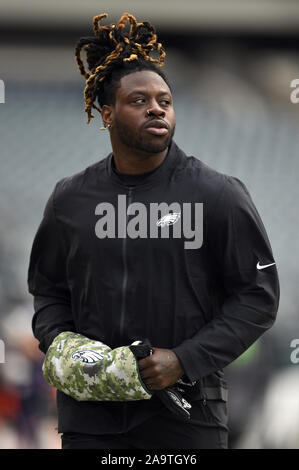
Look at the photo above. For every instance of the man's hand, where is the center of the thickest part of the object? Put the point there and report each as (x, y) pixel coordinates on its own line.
(161, 369)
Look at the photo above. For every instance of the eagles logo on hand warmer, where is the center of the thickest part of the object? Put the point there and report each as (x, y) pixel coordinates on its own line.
(89, 370)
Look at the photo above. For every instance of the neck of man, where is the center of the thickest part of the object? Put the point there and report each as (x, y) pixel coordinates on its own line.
(133, 161)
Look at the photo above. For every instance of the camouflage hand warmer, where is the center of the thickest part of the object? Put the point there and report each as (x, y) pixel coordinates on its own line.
(88, 370)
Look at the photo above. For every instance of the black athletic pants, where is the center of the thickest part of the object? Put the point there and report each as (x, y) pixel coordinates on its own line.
(207, 429)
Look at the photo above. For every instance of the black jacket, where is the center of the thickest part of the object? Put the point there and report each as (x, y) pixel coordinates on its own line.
(207, 303)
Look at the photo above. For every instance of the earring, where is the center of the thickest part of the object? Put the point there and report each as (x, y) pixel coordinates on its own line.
(105, 127)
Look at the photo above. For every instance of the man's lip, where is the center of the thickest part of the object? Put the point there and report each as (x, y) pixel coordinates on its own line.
(158, 124)
(157, 130)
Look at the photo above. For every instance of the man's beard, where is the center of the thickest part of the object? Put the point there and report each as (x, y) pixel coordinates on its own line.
(140, 142)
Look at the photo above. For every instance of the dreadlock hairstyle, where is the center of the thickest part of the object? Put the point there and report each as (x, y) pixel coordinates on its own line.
(113, 53)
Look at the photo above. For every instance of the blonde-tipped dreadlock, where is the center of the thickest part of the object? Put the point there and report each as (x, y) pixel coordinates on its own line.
(111, 47)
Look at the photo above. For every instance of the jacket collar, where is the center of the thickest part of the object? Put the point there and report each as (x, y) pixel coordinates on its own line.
(175, 157)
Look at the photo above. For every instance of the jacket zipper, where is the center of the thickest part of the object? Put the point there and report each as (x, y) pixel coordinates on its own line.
(204, 396)
(125, 278)
(206, 409)
(124, 286)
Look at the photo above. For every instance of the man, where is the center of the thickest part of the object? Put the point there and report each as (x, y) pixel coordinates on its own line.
(147, 244)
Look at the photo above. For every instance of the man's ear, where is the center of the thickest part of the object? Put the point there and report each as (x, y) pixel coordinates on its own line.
(107, 114)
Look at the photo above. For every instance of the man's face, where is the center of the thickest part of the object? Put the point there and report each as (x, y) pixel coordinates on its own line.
(143, 115)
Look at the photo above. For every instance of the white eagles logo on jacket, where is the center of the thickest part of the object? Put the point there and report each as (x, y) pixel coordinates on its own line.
(168, 219)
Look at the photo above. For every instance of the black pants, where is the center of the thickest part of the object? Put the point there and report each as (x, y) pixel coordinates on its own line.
(207, 429)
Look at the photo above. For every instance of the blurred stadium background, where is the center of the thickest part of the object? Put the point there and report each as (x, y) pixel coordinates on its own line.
(231, 64)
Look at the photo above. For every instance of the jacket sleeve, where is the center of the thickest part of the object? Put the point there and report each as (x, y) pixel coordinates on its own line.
(238, 246)
(47, 280)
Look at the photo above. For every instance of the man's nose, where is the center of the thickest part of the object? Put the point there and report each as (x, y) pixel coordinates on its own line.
(156, 110)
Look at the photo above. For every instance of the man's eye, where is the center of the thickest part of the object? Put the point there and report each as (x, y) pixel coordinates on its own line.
(139, 100)
(165, 102)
